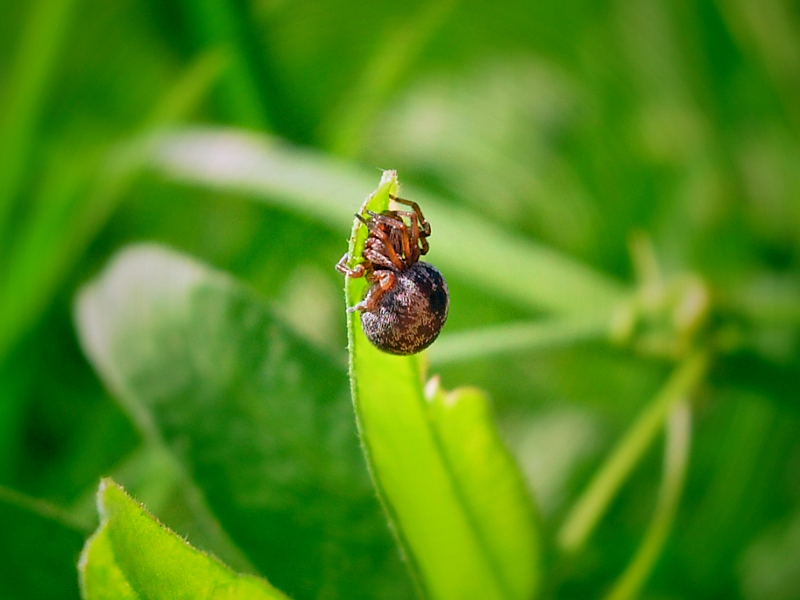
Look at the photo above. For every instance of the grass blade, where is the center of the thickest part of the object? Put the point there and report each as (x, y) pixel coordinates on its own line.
(27, 87)
(396, 53)
(518, 269)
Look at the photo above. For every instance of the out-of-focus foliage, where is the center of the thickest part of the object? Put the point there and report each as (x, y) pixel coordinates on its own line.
(648, 146)
(256, 419)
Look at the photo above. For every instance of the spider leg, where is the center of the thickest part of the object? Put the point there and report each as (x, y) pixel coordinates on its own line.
(416, 237)
(396, 221)
(387, 243)
(375, 253)
(424, 225)
(385, 281)
(358, 271)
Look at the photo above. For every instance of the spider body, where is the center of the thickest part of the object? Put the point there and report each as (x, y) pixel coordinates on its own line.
(406, 304)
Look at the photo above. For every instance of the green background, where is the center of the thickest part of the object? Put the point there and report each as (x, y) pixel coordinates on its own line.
(567, 126)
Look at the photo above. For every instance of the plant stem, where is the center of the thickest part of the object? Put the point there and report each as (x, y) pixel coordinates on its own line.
(516, 337)
(676, 458)
(44, 510)
(590, 507)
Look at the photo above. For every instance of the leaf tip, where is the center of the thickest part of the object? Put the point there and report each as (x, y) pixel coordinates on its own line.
(106, 488)
(387, 176)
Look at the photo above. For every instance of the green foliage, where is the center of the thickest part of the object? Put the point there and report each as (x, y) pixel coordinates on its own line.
(206, 368)
(39, 546)
(133, 556)
(613, 191)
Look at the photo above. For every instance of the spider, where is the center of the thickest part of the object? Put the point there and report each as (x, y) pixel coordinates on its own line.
(406, 304)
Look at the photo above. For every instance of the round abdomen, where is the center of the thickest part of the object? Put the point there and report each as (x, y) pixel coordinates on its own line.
(410, 315)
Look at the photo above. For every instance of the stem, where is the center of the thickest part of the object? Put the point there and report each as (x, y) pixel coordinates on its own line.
(676, 458)
(590, 507)
(504, 339)
(44, 510)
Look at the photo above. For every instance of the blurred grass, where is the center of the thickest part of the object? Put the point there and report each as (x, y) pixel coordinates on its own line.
(26, 87)
(556, 127)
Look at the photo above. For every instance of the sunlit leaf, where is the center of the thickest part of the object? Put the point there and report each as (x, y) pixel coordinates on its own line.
(132, 557)
(452, 491)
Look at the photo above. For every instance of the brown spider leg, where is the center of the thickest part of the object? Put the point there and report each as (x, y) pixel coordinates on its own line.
(385, 281)
(416, 238)
(424, 225)
(425, 246)
(393, 220)
(375, 253)
(382, 236)
(358, 271)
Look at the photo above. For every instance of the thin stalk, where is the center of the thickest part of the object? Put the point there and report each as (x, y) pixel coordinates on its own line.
(515, 337)
(189, 90)
(45, 510)
(593, 503)
(676, 459)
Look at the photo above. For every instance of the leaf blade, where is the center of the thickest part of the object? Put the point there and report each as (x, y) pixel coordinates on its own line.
(132, 556)
(260, 422)
(406, 441)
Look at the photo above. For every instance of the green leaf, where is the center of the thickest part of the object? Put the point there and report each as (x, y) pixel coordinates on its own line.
(453, 493)
(132, 556)
(260, 421)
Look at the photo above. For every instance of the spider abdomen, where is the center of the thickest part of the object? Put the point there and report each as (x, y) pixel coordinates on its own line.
(409, 316)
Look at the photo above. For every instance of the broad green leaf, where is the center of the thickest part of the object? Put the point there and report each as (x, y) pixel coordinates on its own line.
(259, 420)
(39, 546)
(132, 556)
(454, 494)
